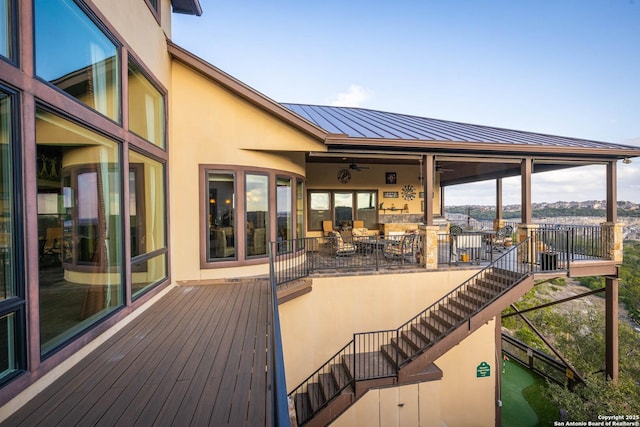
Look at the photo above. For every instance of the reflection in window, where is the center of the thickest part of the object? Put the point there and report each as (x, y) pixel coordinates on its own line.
(6, 29)
(299, 209)
(7, 280)
(284, 213)
(11, 314)
(147, 222)
(257, 207)
(319, 209)
(222, 238)
(343, 209)
(73, 54)
(146, 107)
(79, 228)
(366, 205)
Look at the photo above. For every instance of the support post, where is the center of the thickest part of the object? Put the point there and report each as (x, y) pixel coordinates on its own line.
(429, 174)
(611, 321)
(526, 169)
(498, 221)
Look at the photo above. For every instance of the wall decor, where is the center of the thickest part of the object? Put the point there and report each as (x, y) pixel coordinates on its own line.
(421, 194)
(390, 194)
(391, 178)
(408, 192)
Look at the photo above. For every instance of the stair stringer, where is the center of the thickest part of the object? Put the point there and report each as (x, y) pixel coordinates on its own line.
(423, 360)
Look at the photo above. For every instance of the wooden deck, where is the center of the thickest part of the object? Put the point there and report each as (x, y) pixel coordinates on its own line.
(196, 357)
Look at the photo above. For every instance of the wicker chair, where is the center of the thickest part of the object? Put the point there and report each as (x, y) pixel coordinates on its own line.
(339, 246)
(403, 249)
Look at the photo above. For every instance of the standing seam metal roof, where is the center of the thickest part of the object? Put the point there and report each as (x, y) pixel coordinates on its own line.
(365, 123)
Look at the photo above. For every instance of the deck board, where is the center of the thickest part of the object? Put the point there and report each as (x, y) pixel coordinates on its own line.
(196, 357)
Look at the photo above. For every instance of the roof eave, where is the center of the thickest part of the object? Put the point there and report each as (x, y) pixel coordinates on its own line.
(619, 152)
(188, 7)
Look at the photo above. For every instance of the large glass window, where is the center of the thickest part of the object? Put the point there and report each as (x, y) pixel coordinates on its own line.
(76, 56)
(6, 29)
(257, 207)
(342, 207)
(11, 297)
(146, 107)
(299, 208)
(222, 225)
(147, 222)
(79, 226)
(284, 212)
(319, 209)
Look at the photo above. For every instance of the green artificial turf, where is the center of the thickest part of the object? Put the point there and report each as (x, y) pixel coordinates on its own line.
(516, 411)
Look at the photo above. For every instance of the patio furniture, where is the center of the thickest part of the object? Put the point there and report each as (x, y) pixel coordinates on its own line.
(454, 232)
(400, 250)
(503, 238)
(339, 246)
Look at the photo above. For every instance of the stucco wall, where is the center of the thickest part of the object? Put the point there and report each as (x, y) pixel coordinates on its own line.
(212, 126)
(460, 398)
(316, 325)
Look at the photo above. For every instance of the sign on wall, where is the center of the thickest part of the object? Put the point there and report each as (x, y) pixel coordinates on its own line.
(483, 370)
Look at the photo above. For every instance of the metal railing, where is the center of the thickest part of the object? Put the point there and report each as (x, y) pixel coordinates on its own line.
(363, 355)
(277, 400)
(537, 361)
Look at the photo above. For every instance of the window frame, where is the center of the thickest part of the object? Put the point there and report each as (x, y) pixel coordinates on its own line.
(161, 90)
(241, 258)
(14, 41)
(332, 192)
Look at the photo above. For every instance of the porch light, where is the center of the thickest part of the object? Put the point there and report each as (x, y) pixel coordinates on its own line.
(212, 201)
(626, 160)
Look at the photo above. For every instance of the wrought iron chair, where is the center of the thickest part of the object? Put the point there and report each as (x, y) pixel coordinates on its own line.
(339, 246)
(401, 250)
(454, 232)
(503, 239)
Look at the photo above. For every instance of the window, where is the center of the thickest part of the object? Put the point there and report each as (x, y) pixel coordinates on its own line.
(147, 221)
(284, 213)
(257, 213)
(12, 349)
(342, 207)
(75, 55)
(221, 188)
(7, 37)
(79, 226)
(244, 209)
(146, 107)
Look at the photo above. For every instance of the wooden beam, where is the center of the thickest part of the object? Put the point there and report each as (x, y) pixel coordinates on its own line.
(611, 321)
(429, 177)
(499, 199)
(612, 192)
(526, 168)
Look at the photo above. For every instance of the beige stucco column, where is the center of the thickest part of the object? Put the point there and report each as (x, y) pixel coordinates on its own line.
(429, 248)
(526, 253)
(612, 241)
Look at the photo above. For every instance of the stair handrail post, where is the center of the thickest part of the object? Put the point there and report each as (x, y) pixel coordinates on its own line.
(355, 360)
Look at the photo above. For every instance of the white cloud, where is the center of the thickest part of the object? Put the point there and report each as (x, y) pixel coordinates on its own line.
(355, 96)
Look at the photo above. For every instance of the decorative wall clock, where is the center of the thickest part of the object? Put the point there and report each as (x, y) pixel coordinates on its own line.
(408, 192)
(344, 176)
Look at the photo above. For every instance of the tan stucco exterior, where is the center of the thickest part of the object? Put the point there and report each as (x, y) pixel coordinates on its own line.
(315, 326)
(213, 126)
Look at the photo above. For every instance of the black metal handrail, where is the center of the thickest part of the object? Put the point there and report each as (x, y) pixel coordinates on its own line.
(277, 400)
(362, 353)
(537, 361)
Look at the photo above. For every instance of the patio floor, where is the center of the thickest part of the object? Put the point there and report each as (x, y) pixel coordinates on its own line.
(196, 357)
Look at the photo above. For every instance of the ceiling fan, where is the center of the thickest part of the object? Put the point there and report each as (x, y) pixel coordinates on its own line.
(439, 168)
(356, 167)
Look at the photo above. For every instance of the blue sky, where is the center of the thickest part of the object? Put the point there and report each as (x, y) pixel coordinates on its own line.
(562, 67)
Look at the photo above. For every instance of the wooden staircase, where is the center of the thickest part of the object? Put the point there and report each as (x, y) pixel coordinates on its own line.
(407, 354)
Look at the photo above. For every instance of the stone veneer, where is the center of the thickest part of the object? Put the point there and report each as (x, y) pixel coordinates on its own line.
(612, 240)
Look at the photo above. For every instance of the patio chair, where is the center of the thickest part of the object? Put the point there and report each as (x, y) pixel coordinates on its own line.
(503, 239)
(403, 249)
(339, 246)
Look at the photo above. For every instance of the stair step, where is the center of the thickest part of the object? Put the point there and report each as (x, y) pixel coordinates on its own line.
(453, 311)
(473, 299)
(316, 399)
(303, 407)
(435, 325)
(424, 332)
(444, 318)
(480, 292)
(340, 375)
(328, 385)
(389, 351)
(406, 350)
(415, 340)
(465, 305)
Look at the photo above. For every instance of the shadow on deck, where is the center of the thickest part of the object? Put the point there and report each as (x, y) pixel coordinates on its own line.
(198, 356)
